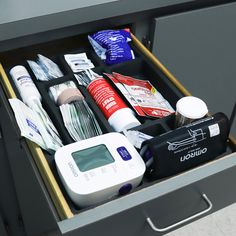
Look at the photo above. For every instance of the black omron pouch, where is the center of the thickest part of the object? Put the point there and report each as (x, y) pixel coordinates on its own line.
(186, 147)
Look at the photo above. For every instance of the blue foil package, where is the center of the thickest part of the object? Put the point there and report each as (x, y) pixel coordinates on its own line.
(112, 46)
(106, 37)
(118, 53)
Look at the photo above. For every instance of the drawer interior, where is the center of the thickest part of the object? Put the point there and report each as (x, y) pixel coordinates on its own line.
(141, 68)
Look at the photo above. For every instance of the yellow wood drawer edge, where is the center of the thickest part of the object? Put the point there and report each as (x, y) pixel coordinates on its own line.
(42, 164)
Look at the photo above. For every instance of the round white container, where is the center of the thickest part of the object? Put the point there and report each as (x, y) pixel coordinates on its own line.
(189, 109)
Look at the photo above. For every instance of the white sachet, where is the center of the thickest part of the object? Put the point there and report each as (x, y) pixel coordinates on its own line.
(78, 62)
(28, 121)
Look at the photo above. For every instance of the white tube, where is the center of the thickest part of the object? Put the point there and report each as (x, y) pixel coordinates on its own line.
(117, 113)
(26, 87)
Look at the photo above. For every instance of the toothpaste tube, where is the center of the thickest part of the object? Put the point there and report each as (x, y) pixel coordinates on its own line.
(118, 114)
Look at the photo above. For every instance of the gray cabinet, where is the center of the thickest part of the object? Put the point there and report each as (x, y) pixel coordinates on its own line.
(2, 227)
(165, 202)
(10, 215)
(189, 44)
(199, 48)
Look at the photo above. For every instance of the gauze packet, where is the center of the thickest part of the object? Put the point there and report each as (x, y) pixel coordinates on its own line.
(112, 46)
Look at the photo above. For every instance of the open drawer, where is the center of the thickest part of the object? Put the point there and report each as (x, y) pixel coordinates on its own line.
(154, 208)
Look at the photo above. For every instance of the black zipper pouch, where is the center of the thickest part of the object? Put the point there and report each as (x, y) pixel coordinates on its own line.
(186, 147)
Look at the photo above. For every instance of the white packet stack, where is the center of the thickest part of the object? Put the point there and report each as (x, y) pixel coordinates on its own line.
(45, 69)
(38, 71)
(32, 98)
(78, 118)
(78, 62)
(29, 122)
(50, 68)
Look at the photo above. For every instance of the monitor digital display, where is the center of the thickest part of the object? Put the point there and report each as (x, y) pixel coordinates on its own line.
(93, 157)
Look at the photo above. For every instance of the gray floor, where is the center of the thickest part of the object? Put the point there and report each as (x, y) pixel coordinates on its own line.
(221, 223)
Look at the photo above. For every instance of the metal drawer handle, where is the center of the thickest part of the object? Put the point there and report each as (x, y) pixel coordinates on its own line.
(161, 230)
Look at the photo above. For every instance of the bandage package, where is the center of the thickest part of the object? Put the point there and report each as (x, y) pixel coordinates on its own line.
(112, 46)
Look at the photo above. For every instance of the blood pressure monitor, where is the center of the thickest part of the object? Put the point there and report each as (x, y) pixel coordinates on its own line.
(98, 168)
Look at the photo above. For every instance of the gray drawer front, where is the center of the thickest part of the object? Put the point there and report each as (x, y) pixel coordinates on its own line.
(34, 203)
(9, 208)
(165, 203)
(2, 227)
(199, 48)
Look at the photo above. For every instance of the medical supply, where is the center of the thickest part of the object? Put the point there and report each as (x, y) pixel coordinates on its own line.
(25, 85)
(118, 114)
(187, 146)
(50, 68)
(29, 122)
(189, 109)
(99, 168)
(136, 137)
(64, 93)
(78, 118)
(112, 46)
(45, 69)
(142, 95)
(31, 97)
(38, 71)
(86, 77)
(78, 62)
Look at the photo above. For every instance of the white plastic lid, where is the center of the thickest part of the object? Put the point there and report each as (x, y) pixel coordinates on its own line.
(18, 71)
(123, 119)
(191, 107)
